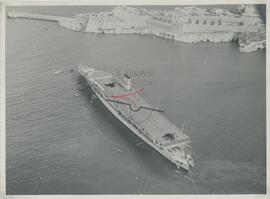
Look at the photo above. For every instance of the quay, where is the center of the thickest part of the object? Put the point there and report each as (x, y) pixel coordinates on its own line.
(185, 24)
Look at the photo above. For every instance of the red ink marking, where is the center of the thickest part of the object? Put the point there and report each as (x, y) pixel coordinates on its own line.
(125, 97)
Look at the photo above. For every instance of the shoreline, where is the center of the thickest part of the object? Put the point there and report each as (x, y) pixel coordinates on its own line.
(185, 24)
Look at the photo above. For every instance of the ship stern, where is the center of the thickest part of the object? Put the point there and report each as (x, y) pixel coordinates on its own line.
(85, 71)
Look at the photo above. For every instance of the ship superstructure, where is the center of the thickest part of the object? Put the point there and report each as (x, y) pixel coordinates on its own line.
(147, 122)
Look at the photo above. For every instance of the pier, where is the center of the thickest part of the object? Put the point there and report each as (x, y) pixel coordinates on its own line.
(23, 15)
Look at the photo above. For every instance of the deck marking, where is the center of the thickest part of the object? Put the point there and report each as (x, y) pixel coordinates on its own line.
(126, 97)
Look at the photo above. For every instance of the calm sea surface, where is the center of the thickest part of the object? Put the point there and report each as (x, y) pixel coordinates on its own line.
(59, 143)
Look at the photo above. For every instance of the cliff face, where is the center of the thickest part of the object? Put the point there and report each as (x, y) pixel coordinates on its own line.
(186, 24)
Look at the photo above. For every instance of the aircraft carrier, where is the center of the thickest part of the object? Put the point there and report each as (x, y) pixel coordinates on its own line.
(147, 122)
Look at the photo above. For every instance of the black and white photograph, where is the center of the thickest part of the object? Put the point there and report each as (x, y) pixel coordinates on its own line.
(135, 99)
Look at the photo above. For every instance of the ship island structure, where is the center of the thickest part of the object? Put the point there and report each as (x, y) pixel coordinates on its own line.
(186, 24)
(147, 122)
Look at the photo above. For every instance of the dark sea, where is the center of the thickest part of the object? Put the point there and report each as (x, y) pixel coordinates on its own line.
(57, 142)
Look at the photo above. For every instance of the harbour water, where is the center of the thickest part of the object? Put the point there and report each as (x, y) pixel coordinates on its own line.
(57, 142)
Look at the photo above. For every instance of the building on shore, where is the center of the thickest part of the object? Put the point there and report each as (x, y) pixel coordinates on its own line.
(186, 24)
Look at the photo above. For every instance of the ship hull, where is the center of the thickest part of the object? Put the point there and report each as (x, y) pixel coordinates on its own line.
(135, 131)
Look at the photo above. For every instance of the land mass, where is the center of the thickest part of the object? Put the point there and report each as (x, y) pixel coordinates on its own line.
(185, 24)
